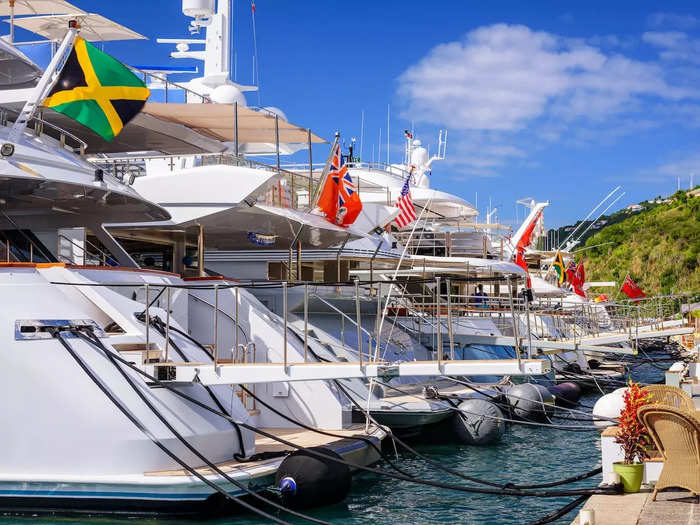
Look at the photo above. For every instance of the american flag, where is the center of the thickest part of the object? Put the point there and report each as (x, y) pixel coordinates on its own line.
(405, 204)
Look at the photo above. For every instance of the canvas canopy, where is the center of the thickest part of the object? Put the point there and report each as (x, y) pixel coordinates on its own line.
(93, 28)
(217, 121)
(38, 7)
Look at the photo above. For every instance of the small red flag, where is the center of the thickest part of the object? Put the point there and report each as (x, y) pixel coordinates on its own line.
(581, 273)
(252, 7)
(520, 261)
(631, 290)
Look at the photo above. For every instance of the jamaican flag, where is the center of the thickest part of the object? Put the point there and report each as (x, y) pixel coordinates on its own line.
(97, 90)
(558, 265)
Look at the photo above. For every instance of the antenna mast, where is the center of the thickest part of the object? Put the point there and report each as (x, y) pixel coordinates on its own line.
(578, 239)
(589, 215)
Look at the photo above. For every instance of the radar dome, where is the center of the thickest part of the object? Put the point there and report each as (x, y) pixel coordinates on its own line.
(228, 94)
(198, 8)
(419, 156)
(276, 111)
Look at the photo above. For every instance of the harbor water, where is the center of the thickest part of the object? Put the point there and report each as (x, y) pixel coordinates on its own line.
(525, 455)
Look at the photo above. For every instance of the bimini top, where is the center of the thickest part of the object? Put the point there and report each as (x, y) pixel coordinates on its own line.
(93, 27)
(38, 7)
(217, 121)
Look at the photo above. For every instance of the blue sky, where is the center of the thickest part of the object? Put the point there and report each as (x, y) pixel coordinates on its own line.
(556, 101)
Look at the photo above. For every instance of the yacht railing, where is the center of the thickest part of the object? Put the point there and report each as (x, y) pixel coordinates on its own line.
(169, 85)
(450, 243)
(6, 254)
(96, 257)
(292, 193)
(40, 124)
(443, 306)
(296, 191)
(392, 170)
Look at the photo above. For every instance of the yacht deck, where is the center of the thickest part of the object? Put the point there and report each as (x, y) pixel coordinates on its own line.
(352, 450)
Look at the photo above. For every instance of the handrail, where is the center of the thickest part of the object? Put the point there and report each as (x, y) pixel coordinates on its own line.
(164, 79)
(82, 144)
(104, 256)
(226, 314)
(371, 338)
(389, 169)
(132, 161)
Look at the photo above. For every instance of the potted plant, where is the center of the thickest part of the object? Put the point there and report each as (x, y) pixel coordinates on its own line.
(634, 439)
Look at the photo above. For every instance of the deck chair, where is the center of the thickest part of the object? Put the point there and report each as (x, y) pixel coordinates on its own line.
(676, 434)
(671, 396)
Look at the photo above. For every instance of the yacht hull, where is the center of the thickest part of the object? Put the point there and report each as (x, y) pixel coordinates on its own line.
(159, 494)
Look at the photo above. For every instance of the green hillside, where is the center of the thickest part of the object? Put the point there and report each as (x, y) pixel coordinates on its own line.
(658, 246)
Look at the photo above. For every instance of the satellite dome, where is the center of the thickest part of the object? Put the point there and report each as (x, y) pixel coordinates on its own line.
(228, 94)
(417, 143)
(419, 156)
(276, 111)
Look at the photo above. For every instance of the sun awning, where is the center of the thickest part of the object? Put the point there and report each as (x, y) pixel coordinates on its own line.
(218, 121)
(143, 133)
(38, 7)
(230, 228)
(93, 27)
(470, 263)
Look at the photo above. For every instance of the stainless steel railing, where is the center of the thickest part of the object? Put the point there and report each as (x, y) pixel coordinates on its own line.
(445, 310)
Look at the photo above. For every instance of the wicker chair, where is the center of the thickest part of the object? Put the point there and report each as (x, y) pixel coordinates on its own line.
(671, 396)
(676, 434)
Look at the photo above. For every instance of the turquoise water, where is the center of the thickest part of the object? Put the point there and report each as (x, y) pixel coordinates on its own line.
(525, 455)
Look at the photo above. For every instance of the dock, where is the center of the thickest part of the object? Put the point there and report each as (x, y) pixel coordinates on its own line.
(670, 508)
(673, 506)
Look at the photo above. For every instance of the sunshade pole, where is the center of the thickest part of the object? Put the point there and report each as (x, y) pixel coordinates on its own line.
(200, 250)
(235, 127)
(311, 166)
(277, 141)
(12, 21)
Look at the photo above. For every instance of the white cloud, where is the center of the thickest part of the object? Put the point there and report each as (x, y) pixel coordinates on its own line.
(672, 20)
(504, 77)
(682, 167)
(482, 154)
(674, 45)
(609, 41)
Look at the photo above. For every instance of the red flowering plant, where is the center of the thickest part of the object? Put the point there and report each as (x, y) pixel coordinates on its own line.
(632, 435)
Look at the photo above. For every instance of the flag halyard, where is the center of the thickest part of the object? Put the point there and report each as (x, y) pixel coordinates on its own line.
(97, 90)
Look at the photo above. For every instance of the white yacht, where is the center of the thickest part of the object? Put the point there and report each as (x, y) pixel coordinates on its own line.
(85, 322)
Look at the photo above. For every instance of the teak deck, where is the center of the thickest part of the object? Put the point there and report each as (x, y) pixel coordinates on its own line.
(300, 437)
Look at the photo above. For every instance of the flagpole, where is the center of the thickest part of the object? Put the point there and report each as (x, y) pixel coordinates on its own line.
(318, 188)
(317, 193)
(46, 82)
